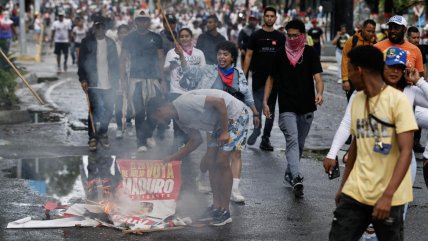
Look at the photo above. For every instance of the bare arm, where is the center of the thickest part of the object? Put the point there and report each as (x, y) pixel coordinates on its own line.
(247, 61)
(268, 89)
(219, 105)
(319, 86)
(195, 140)
(383, 205)
(161, 63)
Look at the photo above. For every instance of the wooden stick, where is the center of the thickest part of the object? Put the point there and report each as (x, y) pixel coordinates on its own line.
(124, 110)
(90, 113)
(152, 230)
(22, 78)
(167, 23)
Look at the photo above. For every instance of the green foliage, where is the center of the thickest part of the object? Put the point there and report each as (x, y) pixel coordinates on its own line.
(7, 86)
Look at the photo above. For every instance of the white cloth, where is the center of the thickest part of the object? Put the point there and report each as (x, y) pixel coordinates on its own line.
(61, 31)
(102, 65)
(196, 59)
(79, 34)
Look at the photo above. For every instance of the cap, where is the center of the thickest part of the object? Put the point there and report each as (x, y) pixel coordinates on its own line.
(141, 14)
(171, 18)
(397, 19)
(395, 56)
(314, 20)
(252, 17)
(61, 12)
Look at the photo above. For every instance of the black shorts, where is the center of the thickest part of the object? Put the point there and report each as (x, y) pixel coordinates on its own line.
(61, 47)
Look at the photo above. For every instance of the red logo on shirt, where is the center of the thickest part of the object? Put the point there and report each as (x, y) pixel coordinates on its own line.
(273, 42)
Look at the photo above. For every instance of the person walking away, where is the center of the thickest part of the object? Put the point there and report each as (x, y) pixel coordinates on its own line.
(61, 31)
(376, 183)
(340, 40)
(296, 74)
(259, 58)
(98, 72)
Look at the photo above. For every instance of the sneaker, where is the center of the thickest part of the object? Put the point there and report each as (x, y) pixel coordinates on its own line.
(221, 217)
(104, 141)
(208, 214)
(418, 148)
(297, 185)
(287, 179)
(151, 142)
(130, 131)
(142, 148)
(253, 137)
(92, 144)
(119, 134)
(203, 184)
(265, 144)
(236, 196)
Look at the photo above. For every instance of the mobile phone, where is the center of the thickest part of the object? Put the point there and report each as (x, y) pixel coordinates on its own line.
(336, 171)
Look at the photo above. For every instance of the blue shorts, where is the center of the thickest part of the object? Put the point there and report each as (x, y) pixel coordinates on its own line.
(237, 132)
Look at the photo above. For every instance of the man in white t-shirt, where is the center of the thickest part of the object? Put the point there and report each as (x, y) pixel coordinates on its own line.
(61, 31)
(99, 74)
(223, 115)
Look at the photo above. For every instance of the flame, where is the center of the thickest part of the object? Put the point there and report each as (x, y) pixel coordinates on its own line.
(107, 206)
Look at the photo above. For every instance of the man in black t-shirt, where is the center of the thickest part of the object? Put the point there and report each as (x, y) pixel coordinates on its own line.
(209, 40)
(143, 49)
(261, 49)
(317, 36)
(295, 68)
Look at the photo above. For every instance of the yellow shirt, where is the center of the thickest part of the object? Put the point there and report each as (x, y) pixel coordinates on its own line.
(372, 171)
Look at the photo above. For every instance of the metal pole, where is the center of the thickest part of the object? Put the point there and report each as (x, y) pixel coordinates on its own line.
(22, 35)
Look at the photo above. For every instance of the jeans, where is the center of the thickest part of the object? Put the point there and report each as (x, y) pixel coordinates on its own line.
(102, 103)
(143, 125)
(351, 219)
(258, 102)
(295, 128)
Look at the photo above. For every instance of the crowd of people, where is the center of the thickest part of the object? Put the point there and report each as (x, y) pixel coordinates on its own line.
(191, 69)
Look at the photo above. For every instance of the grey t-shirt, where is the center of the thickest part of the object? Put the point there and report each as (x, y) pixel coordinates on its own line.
(192, 113)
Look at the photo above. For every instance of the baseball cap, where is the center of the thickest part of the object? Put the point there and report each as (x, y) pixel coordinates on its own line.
(397, 19)
(171, 18)
(253, 17)
(61, 12)
(395, 56)
(141, 14)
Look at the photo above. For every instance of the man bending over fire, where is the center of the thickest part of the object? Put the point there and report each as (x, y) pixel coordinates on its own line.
(226, 118)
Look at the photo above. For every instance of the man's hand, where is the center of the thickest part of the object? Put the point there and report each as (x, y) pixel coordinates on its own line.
(256, 121)
(346, 86)
(168, 159)
(266, 111)
(382, 208)
(85, 86)
(223, 138)
(319, 99)
(328, 165)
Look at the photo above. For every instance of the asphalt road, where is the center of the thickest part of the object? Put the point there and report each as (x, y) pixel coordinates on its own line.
(270, 212)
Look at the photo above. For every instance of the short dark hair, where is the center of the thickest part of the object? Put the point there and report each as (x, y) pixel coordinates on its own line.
(271, 9)
(154, 104)
(214, 17)
(230, 47)
(296, 24)
(411, 30)
(125, 26)
(369, 21)
(367, 57)
(186, 29)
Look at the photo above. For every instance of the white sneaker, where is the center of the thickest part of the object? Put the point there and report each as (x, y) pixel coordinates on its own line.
(236, 196)
(130, 131)
(142, 149)
(119, 134)
(203, 184)
(151, 142)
